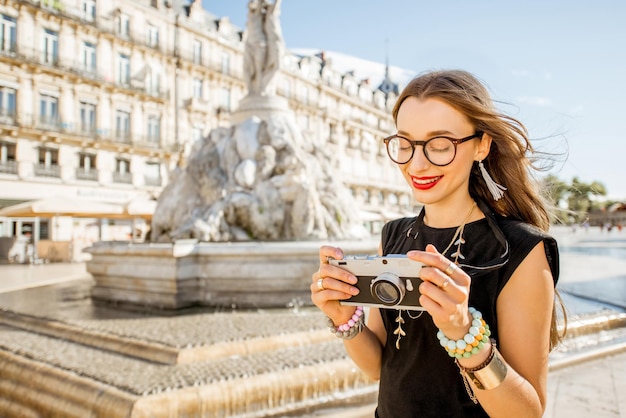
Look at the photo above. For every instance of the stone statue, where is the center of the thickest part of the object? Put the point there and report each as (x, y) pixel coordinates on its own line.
(264, 46)
(261, 178)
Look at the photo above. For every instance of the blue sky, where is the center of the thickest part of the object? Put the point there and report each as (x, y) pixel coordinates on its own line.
(559, 66)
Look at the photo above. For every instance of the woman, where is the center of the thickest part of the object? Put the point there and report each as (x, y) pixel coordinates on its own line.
(480, 345)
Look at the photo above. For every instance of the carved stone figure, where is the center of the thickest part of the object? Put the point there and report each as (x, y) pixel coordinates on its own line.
(261, 179)
(264, 46)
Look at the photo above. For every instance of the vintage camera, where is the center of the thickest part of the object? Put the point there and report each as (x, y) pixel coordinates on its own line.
(390, 281)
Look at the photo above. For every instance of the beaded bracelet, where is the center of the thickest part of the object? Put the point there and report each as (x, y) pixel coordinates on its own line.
(351, 328)
(472, 343)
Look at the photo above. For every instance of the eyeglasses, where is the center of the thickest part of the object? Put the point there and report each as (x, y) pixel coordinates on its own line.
(440, 150)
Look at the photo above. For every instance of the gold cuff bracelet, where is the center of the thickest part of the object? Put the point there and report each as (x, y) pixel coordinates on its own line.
(490, 375)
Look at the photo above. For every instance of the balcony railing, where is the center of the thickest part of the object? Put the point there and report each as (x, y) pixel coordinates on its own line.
(39, 57)
(126, 178)
(42, 170)
(7, 116)
(83, 174)
(47, 124)
(8, 167)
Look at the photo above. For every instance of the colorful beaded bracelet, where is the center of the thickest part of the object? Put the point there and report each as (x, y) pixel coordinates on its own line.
(472, 343)
(351, 328)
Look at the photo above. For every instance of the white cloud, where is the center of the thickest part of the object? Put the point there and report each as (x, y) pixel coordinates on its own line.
(535, 100)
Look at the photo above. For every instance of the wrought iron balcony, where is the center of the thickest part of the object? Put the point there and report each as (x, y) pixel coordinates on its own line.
(7, 116)
(42, 170)
(8, 167)
(39, 57)
(83, 174)
(126, 178)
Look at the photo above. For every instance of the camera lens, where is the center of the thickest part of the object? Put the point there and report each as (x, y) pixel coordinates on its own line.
(388, 289)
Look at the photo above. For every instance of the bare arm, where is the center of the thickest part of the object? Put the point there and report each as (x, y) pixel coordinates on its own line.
(366, 348)
(524, 311)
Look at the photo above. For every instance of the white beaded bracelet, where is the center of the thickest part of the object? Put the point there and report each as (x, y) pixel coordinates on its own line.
(351, 328)
(472, 343)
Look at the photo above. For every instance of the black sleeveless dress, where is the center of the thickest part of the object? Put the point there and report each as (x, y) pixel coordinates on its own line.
(420, 379)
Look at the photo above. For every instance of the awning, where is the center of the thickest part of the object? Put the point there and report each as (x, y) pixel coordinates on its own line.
(140, 208)
(78, 208)
(367, 216)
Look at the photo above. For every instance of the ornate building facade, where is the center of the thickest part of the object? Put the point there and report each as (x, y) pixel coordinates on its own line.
(101, 99)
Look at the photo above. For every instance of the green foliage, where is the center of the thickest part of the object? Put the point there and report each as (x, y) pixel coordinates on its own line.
(572, 202)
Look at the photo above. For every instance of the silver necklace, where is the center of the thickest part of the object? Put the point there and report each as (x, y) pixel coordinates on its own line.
(457, 240)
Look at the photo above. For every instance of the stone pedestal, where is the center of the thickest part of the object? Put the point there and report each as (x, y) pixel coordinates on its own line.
(260, 106)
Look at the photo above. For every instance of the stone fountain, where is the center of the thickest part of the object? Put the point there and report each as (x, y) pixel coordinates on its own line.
(209, 319)
(243, 217)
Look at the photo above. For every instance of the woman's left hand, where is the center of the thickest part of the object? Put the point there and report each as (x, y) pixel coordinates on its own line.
(444, 292)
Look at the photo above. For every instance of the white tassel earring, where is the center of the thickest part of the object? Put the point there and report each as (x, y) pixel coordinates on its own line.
(497, 190)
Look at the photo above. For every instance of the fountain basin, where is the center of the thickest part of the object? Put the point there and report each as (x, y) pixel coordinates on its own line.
(191, 273)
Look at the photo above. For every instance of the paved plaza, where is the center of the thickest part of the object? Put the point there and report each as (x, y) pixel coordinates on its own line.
(587, 376)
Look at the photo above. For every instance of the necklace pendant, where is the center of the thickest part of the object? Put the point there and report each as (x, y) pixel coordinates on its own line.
(399, 331)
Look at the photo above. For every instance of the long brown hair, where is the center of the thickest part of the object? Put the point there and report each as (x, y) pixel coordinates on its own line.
(509, 161)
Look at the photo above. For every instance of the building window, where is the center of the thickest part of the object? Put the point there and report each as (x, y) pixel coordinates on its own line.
(89, 10)
(7, 104)
(48, 111)
(123, 25)
(88, 56)
(122, 171)
(225, 63)
(197, 88)
(48, 163)
(196, 133)
(50, 53)
(224, 102)
(152, 174)
(153, 83)
(87, 119)
(86, 166)
(152, 36)
(197, 52)
(122, 126)
(154, 129)
(8, 33)
(8, 163)
(123, 69)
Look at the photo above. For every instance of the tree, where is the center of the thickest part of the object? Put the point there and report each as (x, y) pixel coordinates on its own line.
(555, 192)
(571, 203)
(580, 198)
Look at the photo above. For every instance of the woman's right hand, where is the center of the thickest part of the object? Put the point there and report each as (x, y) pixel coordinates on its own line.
(332, 284)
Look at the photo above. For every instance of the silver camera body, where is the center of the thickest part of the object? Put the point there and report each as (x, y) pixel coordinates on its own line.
(390, 281)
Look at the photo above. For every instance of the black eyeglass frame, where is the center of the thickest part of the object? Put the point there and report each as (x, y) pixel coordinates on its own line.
(455, 142)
